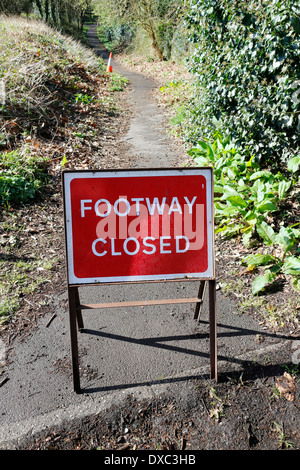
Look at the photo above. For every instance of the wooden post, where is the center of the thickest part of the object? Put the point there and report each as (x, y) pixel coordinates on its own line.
(201, 293)
(78, 311)
(213, 330)
(73, 293)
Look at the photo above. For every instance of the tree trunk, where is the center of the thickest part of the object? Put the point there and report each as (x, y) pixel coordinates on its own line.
(154, 44)
(53, 12)
(38, 4)
(46, 10)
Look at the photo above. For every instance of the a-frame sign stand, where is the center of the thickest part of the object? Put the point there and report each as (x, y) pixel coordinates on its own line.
(77, 324)
(75, 306)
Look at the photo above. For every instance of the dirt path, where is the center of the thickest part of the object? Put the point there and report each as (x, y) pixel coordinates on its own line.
(145, 376)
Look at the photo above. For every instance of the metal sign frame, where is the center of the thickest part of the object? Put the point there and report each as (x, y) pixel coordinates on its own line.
(208, 278)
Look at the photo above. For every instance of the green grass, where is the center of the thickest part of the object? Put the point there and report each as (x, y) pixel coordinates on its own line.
(18, 279)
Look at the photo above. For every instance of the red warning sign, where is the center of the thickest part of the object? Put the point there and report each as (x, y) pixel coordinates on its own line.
(129, 225)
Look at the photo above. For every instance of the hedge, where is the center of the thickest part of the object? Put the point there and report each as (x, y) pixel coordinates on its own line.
(246, 66)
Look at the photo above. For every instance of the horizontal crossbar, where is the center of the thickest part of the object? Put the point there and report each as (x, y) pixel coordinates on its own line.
(139, 303)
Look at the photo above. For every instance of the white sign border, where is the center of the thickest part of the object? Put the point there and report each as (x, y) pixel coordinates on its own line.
(69, 175)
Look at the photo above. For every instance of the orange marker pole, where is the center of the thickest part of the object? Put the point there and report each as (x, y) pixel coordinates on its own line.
(109, 66)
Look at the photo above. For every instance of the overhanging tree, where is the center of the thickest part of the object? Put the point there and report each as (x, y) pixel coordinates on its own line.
(158, 18)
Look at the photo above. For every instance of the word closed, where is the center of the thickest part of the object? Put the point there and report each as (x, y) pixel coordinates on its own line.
(138, 224)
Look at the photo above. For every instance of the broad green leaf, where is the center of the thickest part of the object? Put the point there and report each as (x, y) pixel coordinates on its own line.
(218, 189)
(237, 201)
(276, 268)
(221, 229)
(251, 218)
(201, 161)
(266, 232)
(266, 206)
(259, 259)
(231, 173)
(291, 266)
(219, 145)
(241, 185)
(207, 148)
(219, 206)
(285, 238)
(252, 221)
(260, 282)
(260, 174)
(283, 187)
(229, 229)
(258, 191)
(230, 210)
(219, 163)
(294, 164)
(195, 152)
(246, 237)
(296, 231)
(229, 191)
(296, 284)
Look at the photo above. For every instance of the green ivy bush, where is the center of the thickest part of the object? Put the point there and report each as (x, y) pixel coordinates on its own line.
(246, 65)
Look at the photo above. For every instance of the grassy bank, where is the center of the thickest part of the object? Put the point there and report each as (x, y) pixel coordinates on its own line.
(56, 99)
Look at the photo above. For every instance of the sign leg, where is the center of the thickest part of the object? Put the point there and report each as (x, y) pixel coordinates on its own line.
(78, 312)
(73, 336)
(213, 330)
(201, 293)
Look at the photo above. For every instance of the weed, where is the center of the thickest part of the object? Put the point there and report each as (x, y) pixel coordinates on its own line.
(216, 405)
(84, 98)
(117, 82)
(175, 94)
(284, 443)
(64, 161)
(21, 176)
(293, 370)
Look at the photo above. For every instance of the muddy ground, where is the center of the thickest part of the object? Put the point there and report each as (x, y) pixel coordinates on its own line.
(239, 413)
(253, 408)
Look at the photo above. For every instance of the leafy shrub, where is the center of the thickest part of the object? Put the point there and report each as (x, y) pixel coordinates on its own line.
(21, 176)
(249, 202)
(286, 263)
(247, 75)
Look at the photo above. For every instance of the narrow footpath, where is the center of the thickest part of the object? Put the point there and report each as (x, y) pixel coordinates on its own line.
(148, 145)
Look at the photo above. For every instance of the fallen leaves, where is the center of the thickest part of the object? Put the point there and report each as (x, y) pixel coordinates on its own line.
(286, 386)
